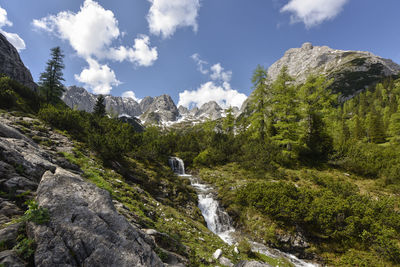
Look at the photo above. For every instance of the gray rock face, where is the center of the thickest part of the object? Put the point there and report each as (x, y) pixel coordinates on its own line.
(78, 97)
(12, 65)
(85, 229)
(182, 110)
(210, 110)
(162, 109)
(351, 70)
(145, 103)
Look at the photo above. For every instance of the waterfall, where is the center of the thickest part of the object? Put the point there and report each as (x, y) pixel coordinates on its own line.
(177, 165)
(219, 221)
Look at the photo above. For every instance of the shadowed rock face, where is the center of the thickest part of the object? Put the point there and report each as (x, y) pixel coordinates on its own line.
(85, 229)
(12, 66)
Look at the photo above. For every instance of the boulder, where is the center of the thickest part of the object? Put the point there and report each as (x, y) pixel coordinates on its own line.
(217, 254)
(85, 228)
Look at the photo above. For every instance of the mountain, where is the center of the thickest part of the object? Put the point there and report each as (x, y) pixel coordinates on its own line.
(160, 109)
(78, 97)
(11, 64)
(352, 71)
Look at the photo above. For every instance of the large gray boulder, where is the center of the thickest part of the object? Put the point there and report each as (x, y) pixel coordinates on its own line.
(11, 64)
(84, 228)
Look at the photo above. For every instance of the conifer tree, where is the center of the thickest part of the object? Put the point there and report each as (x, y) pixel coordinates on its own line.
(100, 107)
(50, 82)
(229, 121)
(260, 85)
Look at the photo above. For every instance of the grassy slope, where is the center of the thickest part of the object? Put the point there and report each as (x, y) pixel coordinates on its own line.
(229, 178)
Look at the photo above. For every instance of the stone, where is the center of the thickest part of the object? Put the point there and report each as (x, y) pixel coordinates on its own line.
(12, 65)
(161, 109)
(84, 227)
(20, 183)
(252, 264)
(236, 250)
(225, 262)
(217, 254)
(8, 235)
(9, 258)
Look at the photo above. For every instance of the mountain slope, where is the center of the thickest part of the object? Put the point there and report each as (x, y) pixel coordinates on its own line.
(11, 64)
(351, 70)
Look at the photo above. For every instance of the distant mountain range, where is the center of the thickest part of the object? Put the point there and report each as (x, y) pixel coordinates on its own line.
(159, 110)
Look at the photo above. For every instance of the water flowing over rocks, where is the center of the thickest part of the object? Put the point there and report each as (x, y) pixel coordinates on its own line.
(220, 223)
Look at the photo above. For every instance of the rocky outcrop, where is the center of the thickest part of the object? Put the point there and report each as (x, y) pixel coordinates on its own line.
(85, 228)
(162, 109)
(79, 98)
(351, 70)
(11, 64)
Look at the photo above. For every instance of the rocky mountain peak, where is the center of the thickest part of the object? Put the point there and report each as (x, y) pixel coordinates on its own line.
(12, 65)
(351, 70)
(162, 108)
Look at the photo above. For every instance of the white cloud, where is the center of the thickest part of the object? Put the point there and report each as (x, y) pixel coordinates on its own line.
(165, 16)
(100, 78)
(141, 53)
(91, 32)
(224, 95)
(200, 63)
(218, 73)
(313, 12)
(131, 94)
(13, 38)
(218, 90)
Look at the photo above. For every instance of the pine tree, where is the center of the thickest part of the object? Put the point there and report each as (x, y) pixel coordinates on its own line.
(100, 107)
(51, 86)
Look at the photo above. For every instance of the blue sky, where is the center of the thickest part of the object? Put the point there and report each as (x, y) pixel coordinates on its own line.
(193, 50)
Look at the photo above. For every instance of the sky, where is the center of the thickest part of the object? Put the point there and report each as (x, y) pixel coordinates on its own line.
(194, 50)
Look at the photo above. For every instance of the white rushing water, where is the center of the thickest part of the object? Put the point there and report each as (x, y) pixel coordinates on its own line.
(218, 220)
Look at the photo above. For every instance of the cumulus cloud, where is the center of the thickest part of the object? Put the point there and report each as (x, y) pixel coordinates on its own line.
(91, 32)
(218, 89)
(140, 54)
(218, 73)
(131, 94)
(224, 95)
(313, 12)
(100, 78)
(13, 38)
(165, 16)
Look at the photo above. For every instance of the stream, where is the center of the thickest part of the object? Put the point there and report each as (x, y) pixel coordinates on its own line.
(218, 220)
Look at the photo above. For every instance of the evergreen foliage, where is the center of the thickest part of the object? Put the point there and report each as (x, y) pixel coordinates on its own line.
(50, 83)
(100, 106)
